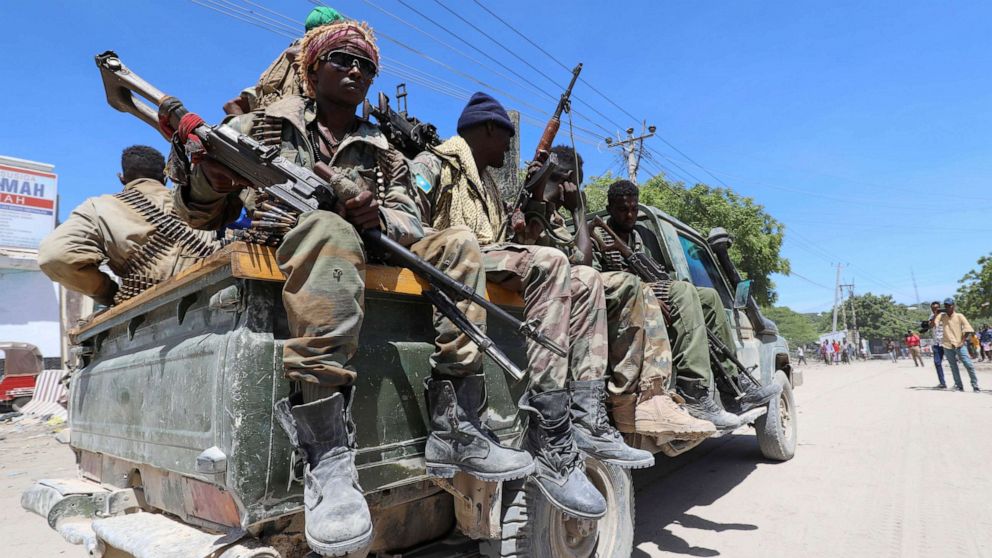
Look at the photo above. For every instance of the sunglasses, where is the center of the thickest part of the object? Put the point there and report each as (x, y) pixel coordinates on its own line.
(343, 61)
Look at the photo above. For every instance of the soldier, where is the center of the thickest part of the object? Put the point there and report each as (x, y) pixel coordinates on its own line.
(282, 77)
(323, 258)
(135, 232)
(693, 311)
(566, 394)
(639, 349)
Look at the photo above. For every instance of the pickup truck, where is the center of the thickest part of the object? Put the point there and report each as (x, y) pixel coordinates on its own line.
(179, 454)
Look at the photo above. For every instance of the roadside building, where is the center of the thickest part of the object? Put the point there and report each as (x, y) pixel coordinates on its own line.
(31, 309)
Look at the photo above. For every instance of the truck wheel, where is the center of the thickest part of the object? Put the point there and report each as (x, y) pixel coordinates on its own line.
(19, 403)
(778, 429)
(526, 511)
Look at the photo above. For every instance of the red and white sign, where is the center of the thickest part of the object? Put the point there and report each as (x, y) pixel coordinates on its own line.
(27, 203)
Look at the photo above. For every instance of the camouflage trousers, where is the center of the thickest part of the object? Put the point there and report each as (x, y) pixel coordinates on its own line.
(639, 350)
(693, 311)
(324, 295)
(569, 303)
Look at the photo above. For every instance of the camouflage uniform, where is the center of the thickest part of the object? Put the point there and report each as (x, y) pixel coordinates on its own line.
(108, 229)
(567, 300)
(323, 256)
(692, 311)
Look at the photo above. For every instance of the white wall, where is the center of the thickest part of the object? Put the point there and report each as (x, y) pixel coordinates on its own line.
(29, 310)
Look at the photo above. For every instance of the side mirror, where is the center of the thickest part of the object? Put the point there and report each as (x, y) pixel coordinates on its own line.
(742, 294)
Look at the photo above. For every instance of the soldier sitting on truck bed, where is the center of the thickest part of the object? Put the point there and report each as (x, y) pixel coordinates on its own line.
(323, 258)
(639, 350)
(567, 302)
(693, 310)
(135, 232)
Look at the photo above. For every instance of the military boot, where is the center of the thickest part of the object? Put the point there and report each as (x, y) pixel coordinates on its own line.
(662, 414)
(560, 473)
(459, 441)
(701, 405)
(594, 435)
(755, 394)
(338, 521)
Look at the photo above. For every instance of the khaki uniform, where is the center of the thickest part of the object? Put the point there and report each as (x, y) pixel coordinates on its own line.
(105, 229)
(281, 79)
(323, 256)
(692, 311)
(567, 300)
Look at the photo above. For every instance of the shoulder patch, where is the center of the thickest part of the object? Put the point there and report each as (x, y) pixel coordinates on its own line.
(422, 183)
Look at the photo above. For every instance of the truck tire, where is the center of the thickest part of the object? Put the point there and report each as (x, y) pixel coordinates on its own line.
(19, 403)
(778, 429)
(526, 511)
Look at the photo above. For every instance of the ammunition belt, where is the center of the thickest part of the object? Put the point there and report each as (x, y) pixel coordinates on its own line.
(614, 260)
(663, 291)
(169, 233)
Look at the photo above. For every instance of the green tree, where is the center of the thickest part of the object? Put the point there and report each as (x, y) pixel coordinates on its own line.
(798, 329)
(974, 297)
(757, 235)
(878, 317)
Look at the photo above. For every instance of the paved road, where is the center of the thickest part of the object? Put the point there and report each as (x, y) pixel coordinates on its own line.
(886, 468)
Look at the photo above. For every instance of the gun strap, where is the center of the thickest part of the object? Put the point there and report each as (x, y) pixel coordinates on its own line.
(169, 233)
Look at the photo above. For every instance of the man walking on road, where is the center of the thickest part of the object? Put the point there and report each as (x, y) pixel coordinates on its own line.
(801, 355)
(913, 344)
(956, 333)
(938, 337)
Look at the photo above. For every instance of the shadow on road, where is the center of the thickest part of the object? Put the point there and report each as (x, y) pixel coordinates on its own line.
(947, 389)
(667, 491)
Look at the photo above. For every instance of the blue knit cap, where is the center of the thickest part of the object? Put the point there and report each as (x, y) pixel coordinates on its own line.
(482, 108)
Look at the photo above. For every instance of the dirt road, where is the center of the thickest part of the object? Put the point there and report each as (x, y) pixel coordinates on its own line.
(886, 468)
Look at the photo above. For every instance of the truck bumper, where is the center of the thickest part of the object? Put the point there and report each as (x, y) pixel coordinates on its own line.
(91, 515)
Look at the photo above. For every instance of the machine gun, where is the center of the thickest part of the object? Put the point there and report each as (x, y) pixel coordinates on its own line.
(537, 182)
(300, 190)
(652, 272)
(404, 132)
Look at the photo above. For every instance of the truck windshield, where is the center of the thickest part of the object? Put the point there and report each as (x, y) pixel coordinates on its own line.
(701, 267)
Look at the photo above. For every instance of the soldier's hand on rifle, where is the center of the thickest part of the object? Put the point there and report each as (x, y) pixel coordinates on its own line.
(362, 211)
(222, 179)
(536, 164)
(571, 197)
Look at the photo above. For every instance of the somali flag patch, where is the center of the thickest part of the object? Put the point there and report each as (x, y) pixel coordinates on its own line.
(422, 183)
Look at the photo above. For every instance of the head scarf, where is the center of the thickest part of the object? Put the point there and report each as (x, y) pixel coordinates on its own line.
(350, 36)
(321, 15)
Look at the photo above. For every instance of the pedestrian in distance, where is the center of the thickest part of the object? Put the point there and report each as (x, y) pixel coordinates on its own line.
(893, 350)
(801, 355)
(828, 352)
(956, 334)
(913, 344)
(986, 340)
(937, 332)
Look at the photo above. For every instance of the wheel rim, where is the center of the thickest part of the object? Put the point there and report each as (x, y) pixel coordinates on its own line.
(584, 538)
(785, 416)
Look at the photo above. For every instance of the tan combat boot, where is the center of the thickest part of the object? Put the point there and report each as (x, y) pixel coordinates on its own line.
(659, 413)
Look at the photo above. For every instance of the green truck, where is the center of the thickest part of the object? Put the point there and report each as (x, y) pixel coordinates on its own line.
(179, 454)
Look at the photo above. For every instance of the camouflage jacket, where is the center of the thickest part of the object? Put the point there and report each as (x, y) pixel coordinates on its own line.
(281, 79)
(460, 194)
(104, 229)
(359, 155)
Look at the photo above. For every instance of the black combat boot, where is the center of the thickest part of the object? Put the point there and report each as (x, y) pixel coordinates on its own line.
(594, 434)
(560, 472)
(755, 394)
(338, 521)
(459, 440)
(700, 404)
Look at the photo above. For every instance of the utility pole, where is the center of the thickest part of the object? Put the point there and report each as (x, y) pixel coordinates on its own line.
(836, 297)
(854, 315)
(632, 148)
(915, 290)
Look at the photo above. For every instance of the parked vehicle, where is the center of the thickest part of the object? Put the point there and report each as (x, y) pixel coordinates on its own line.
(172, 423)
(22, 362)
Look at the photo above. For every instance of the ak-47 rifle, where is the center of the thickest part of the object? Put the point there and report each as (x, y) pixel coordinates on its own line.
(537, 182)
(404, 132)
(651, 272)
(301, 190)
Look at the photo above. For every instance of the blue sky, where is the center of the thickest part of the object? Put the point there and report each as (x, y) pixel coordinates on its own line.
(864, 127)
